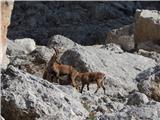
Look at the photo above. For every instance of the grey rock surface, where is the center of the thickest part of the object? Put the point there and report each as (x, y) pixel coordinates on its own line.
(137, 98)
(149, 82)
(151, 54)
(150, 111)
(121, 69)
(122, 36)
(83, 22)
(147, 26)
(28, 97)
(42, 54)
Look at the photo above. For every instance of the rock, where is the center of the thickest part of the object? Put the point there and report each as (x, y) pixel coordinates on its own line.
(137, 98)
(122, 36)
(27, 44)
(28, 97)
(151, 112)
(14, 49)
(149, 46)
(61, 42)
(152, 54)
(147, 26)
(149, 82)
(114, 47)
(42, 54)
(85, 23)
(120, 68)
(30, 64)
(6, 11)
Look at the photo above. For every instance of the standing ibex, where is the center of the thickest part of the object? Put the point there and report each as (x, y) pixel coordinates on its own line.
(54, 67)
(89, 77)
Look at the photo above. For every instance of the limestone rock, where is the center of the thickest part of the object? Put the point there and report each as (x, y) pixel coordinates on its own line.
(149, 82)
(120, 68)
(137, 98)
(151, 54)
(28, 97)
(122, 36)
(42, 54)
(147, 26)
(27, 44)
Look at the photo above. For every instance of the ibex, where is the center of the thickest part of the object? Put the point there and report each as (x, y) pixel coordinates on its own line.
(89, 77)
(54, 67)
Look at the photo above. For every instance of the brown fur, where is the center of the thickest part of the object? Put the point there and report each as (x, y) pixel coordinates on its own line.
(59, 69)
(90, 77)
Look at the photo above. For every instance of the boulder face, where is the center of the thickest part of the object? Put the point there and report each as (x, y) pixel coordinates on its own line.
(6, 10)
(27, 44)
(122, 36)
(145, 112)
(151, 54)
(84, 22)
(137, 98)
(149, 82)
(28, 97)
(147, 26)
(120, 68)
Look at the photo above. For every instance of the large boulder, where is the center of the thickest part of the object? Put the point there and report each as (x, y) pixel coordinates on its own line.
(27, 44)
(137, 98)
(122, 36)
(28, 97)
(14, 49)
(83, 22)
(149, 82)
(145, 112)
(151, 54)
(147, 26)
(61, 42)
(20, 47)
(42, 54)
(149, 46)
(120, 68)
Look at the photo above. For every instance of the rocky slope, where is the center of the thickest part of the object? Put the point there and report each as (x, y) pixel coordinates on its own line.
(84, 22)
(132, 78)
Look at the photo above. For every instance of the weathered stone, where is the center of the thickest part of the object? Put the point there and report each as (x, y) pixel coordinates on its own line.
(137, 98)
(60, 42)
(122, 36)
(42, 54)
(120, 68)
(27, 44)
(147, 26)
(14, 49)
(149, 46)
(83, 22)
(28, 97)
(152, 54)
(113, 47)
(145, 112)
(149, 82)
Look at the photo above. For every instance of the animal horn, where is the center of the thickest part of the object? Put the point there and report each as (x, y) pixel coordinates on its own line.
(56, 51)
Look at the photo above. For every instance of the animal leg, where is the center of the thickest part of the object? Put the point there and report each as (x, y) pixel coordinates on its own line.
(98, 86)
(45, 74)
(57, 77)
(104, 89)
(87, 86)
(82, 88)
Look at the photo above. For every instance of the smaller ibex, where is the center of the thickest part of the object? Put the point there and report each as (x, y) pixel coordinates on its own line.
(89, 77)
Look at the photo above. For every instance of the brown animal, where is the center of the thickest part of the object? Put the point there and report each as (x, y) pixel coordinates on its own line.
(89, 77)
(54, 67)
